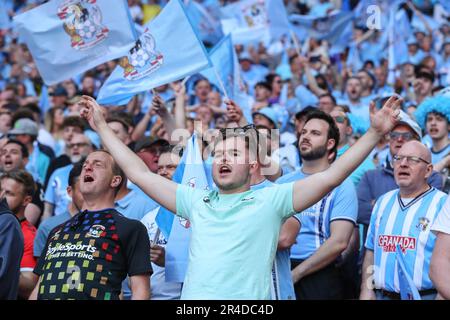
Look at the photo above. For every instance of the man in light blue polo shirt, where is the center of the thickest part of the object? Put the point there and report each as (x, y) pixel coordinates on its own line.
(235, 230)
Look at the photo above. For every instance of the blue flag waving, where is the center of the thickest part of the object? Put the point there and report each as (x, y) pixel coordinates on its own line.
(255, 20)
(221, 57)
(331, 28)
(168, 50)
(191, 171)
(206, 25)
(69, 37)
(4, 17)
(408, 290)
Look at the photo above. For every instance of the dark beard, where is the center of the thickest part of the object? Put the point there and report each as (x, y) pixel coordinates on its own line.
(314, 154)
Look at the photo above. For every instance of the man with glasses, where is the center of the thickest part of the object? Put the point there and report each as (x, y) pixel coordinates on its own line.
(235, 230)
(149, 150)
(56, 198)
(376, 182)
(404, 217)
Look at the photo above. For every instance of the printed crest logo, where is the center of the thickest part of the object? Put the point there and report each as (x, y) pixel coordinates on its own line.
(423, 224)
(185, 223)
(255, 15)
(191, 182)
(95, 231)
(83, 23)
(142, 59)
(56, 235)
(389, 243)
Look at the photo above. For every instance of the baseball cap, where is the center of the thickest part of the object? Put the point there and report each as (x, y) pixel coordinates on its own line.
(245, 56)
(59, 91)
(149, 141)
(270, 114)
(74, 100)
(406, 120)
(24, 126)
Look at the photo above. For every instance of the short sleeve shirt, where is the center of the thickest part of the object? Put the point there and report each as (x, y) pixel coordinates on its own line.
(234, 240)
(442, 223)
(90, 255)
(28, 261)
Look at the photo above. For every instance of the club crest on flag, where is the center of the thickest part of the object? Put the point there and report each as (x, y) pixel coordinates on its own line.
(83, 23)
(142, 59)
(255, 14)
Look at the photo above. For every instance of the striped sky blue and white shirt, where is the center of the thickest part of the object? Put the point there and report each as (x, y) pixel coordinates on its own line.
(340, 204)
(396, 221)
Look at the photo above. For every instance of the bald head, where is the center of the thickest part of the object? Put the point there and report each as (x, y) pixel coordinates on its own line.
(415, 148)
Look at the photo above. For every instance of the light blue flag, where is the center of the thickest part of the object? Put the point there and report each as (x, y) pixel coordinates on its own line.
(167, 51)
(221, 57)
(408, 290)
(253, 21)
(333, 28)
(69, 37)
(44, 99)
(206, 25)
(177, 249)
(5, 22)
(398, 33)
(417, 23)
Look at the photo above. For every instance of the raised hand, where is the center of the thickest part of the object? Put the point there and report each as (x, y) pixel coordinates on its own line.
(92, 112)
(179, 88)
(158, 105)
(234, 112)
(385, 119)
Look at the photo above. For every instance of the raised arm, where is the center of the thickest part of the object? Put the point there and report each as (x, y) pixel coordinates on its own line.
(158, 188)
(310, 190)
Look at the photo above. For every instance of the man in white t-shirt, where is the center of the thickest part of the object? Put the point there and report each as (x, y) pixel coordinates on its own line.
(440, 260)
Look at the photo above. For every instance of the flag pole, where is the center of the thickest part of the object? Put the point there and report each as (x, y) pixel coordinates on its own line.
(296, 44)
(221, 83)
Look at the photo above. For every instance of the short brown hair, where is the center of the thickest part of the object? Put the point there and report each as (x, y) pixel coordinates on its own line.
(24, 178)
(74, 121)
(116, 170)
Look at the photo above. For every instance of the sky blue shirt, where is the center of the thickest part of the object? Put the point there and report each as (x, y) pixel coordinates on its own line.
(440, 154)
(340, 204)
(44, 230)
(357, 174)
(135, 205)
(392, 222)
(56, 192)
(234, 240)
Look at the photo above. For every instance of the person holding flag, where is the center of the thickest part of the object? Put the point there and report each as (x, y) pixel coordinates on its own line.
(235, 230)
(160, 288)
(403, 217)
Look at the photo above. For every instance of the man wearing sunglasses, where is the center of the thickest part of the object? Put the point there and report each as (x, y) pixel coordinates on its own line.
(404, 217)
(235, 230)
(376, 182)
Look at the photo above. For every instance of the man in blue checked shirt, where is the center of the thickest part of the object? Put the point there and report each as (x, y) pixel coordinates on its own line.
(403, 217)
